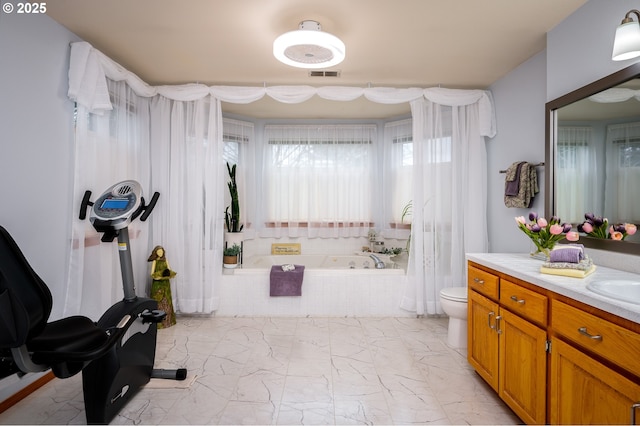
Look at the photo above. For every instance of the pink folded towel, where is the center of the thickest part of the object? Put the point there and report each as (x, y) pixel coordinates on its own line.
(286, 283)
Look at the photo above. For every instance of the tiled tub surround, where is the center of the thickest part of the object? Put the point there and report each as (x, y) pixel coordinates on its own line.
(339, 291)
(553, 350)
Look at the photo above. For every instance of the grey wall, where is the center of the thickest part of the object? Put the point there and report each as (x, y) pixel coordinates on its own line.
(578, 52)
(579, 49)
(519, 101)
(36, 143)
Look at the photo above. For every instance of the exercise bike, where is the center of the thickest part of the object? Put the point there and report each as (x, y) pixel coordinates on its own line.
(116, 354)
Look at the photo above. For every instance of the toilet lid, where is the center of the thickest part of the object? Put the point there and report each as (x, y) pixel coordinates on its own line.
(457, 294)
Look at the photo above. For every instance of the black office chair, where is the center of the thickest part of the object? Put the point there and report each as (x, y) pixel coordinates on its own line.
(27, 340)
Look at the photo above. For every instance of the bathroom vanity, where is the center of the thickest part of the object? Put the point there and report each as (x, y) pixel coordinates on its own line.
(554, 350)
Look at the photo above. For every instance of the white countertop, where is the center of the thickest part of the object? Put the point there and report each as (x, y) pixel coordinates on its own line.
(526, 268)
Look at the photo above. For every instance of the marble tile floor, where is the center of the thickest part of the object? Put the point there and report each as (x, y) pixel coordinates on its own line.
(292, 371)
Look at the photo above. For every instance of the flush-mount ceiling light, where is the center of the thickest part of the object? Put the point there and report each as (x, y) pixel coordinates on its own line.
(309, 47)
(626, 45)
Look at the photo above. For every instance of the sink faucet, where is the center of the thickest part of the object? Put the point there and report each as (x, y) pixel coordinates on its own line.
(376, 259)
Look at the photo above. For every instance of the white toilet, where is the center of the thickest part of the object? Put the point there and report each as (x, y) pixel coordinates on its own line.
(454, 303)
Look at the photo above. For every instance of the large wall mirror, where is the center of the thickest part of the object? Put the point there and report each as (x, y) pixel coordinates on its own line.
(593, 155)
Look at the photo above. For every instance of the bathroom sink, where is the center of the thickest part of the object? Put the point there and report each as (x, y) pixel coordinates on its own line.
(625, 290)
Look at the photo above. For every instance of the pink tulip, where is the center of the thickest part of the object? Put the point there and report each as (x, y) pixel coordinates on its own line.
(573, 236)
(556, 229)
(630, 228)
(542, 222)
(611, 230)
(520, 220)
(587, 227)
(615, 235)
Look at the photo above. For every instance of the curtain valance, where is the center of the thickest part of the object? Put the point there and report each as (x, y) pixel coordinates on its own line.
(89, 69)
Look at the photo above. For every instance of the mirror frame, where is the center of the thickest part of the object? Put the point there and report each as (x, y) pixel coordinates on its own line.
(597, 86)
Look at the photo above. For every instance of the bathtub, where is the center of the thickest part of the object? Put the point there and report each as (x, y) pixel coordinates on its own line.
(333, 285)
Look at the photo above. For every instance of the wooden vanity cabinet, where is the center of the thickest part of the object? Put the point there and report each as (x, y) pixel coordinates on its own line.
(550, 358)
(583, 387)
(508, 351)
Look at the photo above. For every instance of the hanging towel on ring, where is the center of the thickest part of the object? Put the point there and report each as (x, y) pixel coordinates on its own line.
(526, 176)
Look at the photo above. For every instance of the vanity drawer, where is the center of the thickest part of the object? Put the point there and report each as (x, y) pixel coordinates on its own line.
(617, 344)
(483, 282)
(524, 302)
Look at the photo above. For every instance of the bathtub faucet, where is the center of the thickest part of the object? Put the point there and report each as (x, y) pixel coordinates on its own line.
(376, 259)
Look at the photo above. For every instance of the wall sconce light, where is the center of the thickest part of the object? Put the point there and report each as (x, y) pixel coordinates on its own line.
(626, 45)
(309, 47)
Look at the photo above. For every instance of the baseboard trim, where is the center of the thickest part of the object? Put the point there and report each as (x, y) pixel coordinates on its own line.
(26, 391)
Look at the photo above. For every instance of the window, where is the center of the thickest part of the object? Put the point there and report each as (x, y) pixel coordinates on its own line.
(576, 173)
(623, 172)
(398, 138)
(238, 149)
(319, 175)
(236, 136)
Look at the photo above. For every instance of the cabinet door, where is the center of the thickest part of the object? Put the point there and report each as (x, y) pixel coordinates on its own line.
(483, 338)
(583, 391)
(523, 367)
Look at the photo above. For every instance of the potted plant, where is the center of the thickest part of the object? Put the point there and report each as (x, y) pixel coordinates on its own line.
(233, 234)
(232, 219)
(407, 211)
(230, 256)
(402, 258)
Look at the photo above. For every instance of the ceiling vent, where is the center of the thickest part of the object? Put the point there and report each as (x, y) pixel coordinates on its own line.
(315, 73)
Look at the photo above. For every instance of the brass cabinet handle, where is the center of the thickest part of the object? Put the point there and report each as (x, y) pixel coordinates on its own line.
(489, 320)
(478, 281)
(515, 299)
(584, 332)
(634, 407)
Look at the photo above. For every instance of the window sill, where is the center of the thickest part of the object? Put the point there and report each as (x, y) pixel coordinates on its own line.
(318, 225)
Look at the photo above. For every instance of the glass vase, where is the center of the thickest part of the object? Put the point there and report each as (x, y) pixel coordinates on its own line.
(540, 252)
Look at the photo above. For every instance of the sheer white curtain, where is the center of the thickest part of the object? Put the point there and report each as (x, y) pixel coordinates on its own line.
(449, 198)
(622, 172)
(318, 180)
(577, 174)
(170, 144)
(188, 170)
(174, 148)
(188, 191)
(397, 172)
(109, 147)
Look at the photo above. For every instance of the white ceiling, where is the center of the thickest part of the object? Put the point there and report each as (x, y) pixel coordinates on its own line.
(397, 43)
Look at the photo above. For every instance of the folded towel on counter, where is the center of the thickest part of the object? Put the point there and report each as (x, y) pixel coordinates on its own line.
(567, 253)
(583, 265)
(286, 282)
(568, 272)
(528, 185)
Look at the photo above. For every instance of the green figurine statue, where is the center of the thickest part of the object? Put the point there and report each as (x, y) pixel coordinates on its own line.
(161, 273)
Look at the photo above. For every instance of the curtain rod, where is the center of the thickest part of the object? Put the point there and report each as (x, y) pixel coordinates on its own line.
(534, 165)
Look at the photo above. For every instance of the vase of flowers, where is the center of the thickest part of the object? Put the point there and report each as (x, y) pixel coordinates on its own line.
(598, 227)
(545, 233)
